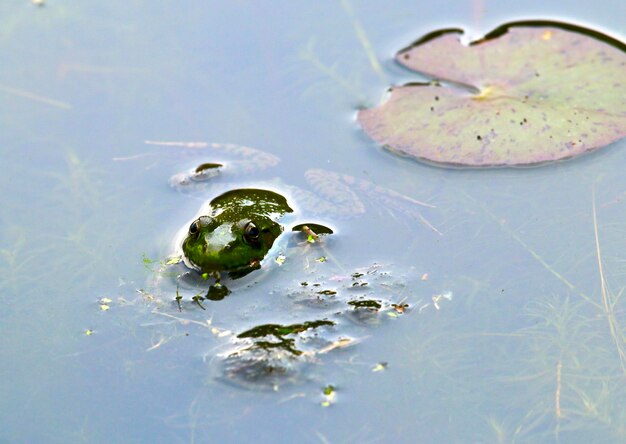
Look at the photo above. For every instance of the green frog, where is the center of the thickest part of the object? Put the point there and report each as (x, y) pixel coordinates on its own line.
(241, 229)
(237, 232)
(234, 232)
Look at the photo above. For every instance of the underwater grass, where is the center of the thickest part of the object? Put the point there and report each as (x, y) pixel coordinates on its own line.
(567, 365)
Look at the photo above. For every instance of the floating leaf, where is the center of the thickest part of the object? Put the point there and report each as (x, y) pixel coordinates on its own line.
(527, 93)
(329, 394)
(280, 259)
(400, 307)
(329, 390)
(369, 304)
(147, 262)
(380, 367)
(279, 331)
(217, 292)
(173, 260)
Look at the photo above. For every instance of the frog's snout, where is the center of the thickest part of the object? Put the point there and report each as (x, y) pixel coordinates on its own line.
(218, 238)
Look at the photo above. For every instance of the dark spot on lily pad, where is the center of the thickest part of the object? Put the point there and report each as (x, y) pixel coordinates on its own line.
(568, 81)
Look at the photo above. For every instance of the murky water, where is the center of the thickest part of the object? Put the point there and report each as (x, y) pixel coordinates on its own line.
(523, 341)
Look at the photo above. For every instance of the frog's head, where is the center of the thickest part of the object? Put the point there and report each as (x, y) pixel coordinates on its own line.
(218, 244)
(237, 234)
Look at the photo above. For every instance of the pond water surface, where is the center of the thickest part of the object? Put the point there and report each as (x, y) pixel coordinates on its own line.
(514, 330)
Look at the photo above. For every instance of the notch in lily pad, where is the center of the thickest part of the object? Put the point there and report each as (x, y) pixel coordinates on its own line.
(528, 93)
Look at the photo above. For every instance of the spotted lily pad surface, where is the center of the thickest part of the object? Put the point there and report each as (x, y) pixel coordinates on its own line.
(527, 93)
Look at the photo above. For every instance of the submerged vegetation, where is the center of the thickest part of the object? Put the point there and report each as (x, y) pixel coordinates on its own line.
(563, 367)
(556, 362)
(531, 348)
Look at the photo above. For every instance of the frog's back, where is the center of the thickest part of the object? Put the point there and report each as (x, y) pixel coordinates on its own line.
(252, 200)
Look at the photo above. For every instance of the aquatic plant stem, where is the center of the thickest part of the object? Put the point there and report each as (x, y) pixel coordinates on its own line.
(309, 56)
(606, 305)
(532, 252)
(35, 97)
(365, 42)
(557, 398)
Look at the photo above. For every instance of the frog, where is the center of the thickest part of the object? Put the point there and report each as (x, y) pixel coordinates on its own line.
(232, 237)
(234, 231)
(235, 235)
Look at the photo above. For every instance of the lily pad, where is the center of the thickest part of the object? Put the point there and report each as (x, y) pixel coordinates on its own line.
(527, 93)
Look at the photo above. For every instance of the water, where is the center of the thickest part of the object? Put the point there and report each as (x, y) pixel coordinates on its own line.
(525, 351)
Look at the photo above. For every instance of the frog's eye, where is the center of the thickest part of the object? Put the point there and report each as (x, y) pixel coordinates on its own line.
(194, 228)
(251, 233)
